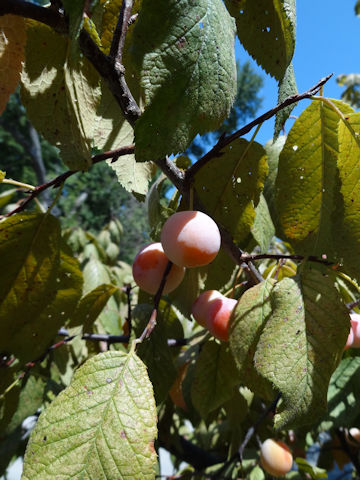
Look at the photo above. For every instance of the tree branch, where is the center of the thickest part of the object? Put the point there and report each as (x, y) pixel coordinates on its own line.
(118, 41)
(55, 182)
(226, 140)
(114, 77)
(101, 62)
(261, 256)
(48, 16)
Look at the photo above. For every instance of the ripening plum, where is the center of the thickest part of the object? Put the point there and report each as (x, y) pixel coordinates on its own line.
(353, 340)
(149, 266)
(212, 310)
(353, 437)
(275, 457)
(190, 238)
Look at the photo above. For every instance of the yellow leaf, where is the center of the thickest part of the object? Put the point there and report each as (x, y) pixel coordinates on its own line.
(12, 46)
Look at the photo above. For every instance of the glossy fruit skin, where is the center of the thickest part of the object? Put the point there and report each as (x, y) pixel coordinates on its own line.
(149, 266)
(353, 340)
(190, 238)
(212, 310)
(275, 457)
(354, 438)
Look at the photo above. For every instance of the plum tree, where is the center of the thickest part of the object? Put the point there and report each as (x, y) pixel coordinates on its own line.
(149, 267)
(275, 457)
(190, 238)
(212, 310)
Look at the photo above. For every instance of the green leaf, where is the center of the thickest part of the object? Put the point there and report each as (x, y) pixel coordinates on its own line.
(12, 51)
(220, 272)
(357, 8)
(293, 352)
(263, 228)
(280, 335)
(188, 73)
(41, 330)
(95, 275)
(310, 470)
(343, 394)
(155, 352)
(306, 184)
(102, 426)
(133, 176)
(347, 223)
(75, 11)
(187, 292)
(230, 186)
(60, 91)
(273, 150)
(214, 378)
(267, 29)
(287, 88)
(2, 176)
(91, 305)
(29, 252)
(246, 323)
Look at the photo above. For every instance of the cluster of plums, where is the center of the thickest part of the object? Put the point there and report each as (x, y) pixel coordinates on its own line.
(188, 239)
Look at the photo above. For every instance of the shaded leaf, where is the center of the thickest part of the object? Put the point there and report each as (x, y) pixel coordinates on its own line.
(306, 184)
(115, 441)
(273, 150)
(186, 78)
(75, 11)
(96, 274)
(343, 395)
(91, 305)
(29, 252)
(263, 228)
(214, 379)
(155, 352)
(41, 330)
(267, 29)
(12, 50)
(246, 323)
(60, 92)
(284, 333)
(230, 186)
(287, 88)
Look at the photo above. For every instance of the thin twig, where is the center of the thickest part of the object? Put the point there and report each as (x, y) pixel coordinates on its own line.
(261, 256)
(57, 181)
(226, 140)
(270, 409)
(118, 40)
(111, 339)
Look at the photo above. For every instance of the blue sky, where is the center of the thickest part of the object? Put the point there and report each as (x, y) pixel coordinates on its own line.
(328, 38)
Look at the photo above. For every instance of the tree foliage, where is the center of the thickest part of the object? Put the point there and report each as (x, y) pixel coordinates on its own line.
(121, 89)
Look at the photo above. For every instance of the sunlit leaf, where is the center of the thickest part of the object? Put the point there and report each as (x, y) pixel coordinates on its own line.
(12, 49)
(230, 186)
(188, 79)
(347, 224)
(102, 426)
(60, 91)
(306, 184)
